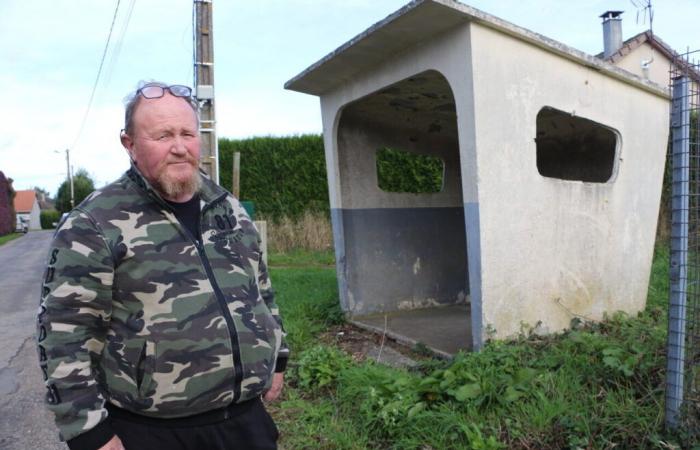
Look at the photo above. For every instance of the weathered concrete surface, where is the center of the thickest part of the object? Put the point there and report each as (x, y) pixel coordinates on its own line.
(390, 357)
(540, 250)
(25, 423)
(444, 330)
(404, 258)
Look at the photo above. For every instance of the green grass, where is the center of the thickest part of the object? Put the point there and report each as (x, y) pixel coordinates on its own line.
(301, 258)
(596, 386)
(9, 237)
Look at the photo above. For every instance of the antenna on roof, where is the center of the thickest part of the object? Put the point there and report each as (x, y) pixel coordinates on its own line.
(644, 8)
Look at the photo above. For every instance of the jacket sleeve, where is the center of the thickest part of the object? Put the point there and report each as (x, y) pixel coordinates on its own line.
(268, 295)
(76, 304)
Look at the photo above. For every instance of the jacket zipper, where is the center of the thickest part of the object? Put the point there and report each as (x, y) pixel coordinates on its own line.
(221, 299)
(235, 347)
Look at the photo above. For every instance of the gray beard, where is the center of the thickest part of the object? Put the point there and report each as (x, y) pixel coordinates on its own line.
(175, 189)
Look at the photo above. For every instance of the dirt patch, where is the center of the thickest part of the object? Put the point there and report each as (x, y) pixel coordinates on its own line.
(362, 344)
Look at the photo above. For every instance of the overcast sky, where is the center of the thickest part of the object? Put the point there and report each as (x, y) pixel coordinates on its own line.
(50, 51)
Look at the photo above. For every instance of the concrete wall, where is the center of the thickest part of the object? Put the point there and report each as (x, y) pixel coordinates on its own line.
(553, 249)
(401, 250)
(540, 251)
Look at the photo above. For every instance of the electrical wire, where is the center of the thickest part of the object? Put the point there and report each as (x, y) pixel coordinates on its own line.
(118, 46)
(97, 79)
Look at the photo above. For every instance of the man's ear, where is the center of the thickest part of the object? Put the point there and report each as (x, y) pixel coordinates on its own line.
(128, 144)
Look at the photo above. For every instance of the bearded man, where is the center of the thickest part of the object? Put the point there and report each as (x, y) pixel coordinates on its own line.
(157, 327)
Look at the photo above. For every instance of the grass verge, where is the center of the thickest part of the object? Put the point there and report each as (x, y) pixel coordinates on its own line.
(9, 237)
(597, 386)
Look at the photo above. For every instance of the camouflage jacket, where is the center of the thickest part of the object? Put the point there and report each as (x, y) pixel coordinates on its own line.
(137, 312)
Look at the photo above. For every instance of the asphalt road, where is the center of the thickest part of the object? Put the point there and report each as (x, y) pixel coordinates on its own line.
(25, 423)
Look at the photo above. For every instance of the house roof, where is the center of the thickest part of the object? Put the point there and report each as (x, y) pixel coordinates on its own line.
(635, 41)
(420, 20)
(24, 201)
(657, 44)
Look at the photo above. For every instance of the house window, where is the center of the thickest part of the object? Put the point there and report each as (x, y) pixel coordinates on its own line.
(401, 171)
(574, 148)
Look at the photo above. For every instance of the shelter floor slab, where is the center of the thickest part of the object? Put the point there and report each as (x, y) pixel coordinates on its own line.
(445, 330)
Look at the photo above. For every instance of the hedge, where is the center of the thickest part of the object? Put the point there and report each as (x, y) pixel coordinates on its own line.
(286, 176)
(48, 218)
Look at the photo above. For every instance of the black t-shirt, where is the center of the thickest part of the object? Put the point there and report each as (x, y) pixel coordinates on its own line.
(188, 215)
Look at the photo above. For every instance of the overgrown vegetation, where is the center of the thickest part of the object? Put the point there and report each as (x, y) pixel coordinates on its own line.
(48, 218)
(311, 232)
(596, 386)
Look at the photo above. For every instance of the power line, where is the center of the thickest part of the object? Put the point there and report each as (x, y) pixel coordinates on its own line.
(120, 40)
(97, 79)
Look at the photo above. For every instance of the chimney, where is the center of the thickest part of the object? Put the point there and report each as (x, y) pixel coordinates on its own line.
(612, 32)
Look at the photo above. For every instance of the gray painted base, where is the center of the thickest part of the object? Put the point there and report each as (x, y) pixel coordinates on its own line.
(400, 258)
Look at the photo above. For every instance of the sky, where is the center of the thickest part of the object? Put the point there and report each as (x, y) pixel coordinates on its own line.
(50, 52)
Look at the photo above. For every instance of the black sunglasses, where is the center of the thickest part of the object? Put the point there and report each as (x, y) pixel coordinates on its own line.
(157, 91)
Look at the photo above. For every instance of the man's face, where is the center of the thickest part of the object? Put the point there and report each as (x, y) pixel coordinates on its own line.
(165, 145)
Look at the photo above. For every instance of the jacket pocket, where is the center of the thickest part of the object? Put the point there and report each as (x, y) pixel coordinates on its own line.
(121, 358)
(145, 369)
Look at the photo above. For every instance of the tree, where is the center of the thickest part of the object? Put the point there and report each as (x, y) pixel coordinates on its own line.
(83, 185)
(40, 190)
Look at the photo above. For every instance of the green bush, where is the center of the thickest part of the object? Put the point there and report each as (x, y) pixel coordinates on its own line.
(286, 176)
(319, 366)
(399, 171)
(48, 218)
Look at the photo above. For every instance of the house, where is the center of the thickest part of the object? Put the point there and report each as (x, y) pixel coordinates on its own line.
(645, 54)
(552, 163)
(7, 213)
(27, 208)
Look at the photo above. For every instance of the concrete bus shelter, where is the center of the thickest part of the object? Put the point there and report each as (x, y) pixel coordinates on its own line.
(553, 162)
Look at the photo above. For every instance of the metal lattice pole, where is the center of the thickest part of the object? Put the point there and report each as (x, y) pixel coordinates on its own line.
(680, 130)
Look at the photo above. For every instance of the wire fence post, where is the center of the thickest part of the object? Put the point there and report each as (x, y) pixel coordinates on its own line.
(680, 132)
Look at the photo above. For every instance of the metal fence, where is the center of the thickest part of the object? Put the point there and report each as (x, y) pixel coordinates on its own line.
(683, 367)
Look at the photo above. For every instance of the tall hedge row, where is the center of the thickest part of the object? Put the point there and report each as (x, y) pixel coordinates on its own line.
(400, 171)
(284, 176)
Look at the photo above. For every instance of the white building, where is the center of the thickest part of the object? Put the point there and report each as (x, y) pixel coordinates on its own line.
(27, 209)
(553, 163)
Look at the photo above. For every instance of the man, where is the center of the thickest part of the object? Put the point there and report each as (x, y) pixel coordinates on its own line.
(158, 327)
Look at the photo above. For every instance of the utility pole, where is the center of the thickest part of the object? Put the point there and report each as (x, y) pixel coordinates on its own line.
(69, 174)
(70, 179)
(204, 86)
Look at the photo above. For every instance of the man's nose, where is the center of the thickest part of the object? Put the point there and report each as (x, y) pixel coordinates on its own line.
(178, 146)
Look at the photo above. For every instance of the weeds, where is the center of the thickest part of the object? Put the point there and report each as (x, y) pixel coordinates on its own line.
(597, 386)
(311, 232)
(319, 367)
